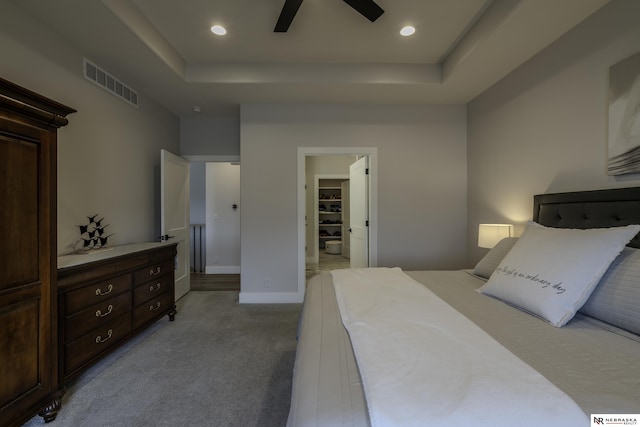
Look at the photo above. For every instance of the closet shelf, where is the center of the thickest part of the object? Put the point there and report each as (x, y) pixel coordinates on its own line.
(329, 208)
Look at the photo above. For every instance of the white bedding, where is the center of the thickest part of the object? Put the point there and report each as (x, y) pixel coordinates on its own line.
(596, 364)
(423, 362)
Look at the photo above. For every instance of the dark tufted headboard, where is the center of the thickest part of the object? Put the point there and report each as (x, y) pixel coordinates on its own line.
(589, 209)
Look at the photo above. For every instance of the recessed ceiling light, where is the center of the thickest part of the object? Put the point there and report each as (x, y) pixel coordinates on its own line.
(197, 109)
(407, 30)
(218, 30)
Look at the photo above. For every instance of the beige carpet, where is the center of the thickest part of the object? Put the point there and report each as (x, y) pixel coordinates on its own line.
(218, 364)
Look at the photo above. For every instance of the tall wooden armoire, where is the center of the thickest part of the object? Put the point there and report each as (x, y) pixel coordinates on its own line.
(28, 253)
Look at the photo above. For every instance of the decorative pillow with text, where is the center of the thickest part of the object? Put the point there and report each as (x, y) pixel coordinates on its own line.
(551, 272)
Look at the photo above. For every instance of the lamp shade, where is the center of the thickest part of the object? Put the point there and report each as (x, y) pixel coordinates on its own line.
(490, 234)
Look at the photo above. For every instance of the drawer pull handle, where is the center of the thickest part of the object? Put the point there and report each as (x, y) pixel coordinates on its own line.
(155, 272)
(109, 310)
(155, 306)
(99, 339)
(109, 289)
(154, 288)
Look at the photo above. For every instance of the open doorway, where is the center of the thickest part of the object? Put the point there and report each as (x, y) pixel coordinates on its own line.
(325, 201)
(327, 216)
(215, 223)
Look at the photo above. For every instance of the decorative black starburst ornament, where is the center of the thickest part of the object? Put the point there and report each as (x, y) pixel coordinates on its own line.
(92, 234)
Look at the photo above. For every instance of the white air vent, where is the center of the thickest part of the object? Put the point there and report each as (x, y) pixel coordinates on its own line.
(106, 81)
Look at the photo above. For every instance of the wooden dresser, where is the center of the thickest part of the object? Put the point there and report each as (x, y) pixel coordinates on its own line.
(106, 297)
(28, 333)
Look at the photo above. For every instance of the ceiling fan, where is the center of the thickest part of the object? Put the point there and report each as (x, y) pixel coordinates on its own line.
(367, 8)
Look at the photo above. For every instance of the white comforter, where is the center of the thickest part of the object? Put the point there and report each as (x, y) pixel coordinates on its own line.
(423, 363)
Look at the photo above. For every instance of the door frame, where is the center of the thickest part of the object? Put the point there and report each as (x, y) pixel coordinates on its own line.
(372, 154)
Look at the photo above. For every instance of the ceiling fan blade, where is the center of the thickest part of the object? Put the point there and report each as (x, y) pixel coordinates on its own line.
(367, 8)
(287, 14)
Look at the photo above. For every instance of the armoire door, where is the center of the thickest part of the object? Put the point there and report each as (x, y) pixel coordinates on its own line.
(28, 316)
(26, 272)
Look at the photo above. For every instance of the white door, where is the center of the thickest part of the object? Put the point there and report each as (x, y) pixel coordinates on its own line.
(359, 213)
(174, 214)
(346, 219)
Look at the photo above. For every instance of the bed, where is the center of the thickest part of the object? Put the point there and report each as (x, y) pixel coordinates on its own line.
(568, 368)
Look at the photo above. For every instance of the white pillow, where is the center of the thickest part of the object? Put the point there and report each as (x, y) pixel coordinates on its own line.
(551, 272)
(617, 297)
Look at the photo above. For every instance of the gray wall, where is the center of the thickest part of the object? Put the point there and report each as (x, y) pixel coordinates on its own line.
(543, 128)
(421, 184)
(213, 135)
(109, 154)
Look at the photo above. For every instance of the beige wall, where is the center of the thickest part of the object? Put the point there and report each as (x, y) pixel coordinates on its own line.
(109, 154)
(421, 153)
(543, 128)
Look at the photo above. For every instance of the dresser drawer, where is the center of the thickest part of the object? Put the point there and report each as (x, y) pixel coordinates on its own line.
(153, 271)
(97, 301)
(96, 293)
(96, 315)
(152, 289)
(152, 308)
(90, 345)
(162, 254)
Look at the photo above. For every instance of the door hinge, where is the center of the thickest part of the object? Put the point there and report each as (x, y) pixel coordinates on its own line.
(366, 171)
(366, 223)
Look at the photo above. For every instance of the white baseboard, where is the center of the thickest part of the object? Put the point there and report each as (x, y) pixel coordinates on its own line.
(222, 269)
(270, 297)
